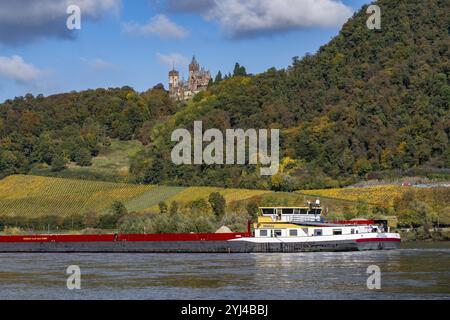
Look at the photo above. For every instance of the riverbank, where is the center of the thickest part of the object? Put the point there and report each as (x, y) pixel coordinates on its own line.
(423, 235)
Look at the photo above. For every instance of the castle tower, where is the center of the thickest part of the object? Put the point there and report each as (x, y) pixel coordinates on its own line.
(174, 81)
(194, 73)
(194, 66)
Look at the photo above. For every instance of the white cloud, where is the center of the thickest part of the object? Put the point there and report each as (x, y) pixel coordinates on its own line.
(241, 18)
(174, 59)
(25, 20)
(159, 25)
(15, 68)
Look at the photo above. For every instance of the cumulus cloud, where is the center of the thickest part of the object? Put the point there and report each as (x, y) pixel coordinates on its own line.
(242, 18)
(22, 21)
(173, 59)
(159, 25)
(15, 68)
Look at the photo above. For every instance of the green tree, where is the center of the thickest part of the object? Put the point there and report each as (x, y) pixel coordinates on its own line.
(218, 77)
(163, 207)
(218, 204)
(73, 222)
(239, 71)
(155, 173)
(362, 167)
(58, 162)
(174, 206)
(107, 221)
(90, 219)
(252, 208)
(83, 158)
(119, 209)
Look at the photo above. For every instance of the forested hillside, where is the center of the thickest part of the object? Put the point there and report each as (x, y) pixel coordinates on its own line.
(369, 101)
(51, 131)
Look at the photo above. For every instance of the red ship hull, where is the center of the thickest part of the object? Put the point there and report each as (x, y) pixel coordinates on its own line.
(124, 238)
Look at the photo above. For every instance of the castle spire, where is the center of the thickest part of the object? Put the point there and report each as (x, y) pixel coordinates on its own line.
(194, 65)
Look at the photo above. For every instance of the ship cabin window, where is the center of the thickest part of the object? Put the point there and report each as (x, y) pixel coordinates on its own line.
(263, 233)
(288, 211)
(315, 211)
(352, 231)
(317, 232)
(268, 211)
(303, 211)
(293, 233)
(277, 233)
(337, 232)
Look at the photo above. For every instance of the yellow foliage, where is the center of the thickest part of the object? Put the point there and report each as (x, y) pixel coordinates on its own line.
(323, 124)
(382, 196)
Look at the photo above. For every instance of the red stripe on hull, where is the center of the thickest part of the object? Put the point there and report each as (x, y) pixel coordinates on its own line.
(379, 240)
(181, 237)
(124, 237)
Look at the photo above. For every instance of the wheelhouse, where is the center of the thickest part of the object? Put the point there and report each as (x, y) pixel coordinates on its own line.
(293, 214)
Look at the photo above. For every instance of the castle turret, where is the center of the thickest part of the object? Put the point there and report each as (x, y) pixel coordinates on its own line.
(174, 80)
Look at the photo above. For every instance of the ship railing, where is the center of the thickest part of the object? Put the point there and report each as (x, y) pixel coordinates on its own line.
(297, 219)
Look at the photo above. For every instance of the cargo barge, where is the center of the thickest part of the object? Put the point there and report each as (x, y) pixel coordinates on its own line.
(293, 229)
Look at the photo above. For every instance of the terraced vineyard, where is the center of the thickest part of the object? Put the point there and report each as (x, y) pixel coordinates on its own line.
(33, 196)
(36, 196)
(378, 196)
(384, 196)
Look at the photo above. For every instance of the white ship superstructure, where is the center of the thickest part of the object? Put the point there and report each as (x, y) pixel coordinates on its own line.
(303, 229)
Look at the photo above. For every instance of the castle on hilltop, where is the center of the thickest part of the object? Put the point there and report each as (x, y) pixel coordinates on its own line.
(199, 78)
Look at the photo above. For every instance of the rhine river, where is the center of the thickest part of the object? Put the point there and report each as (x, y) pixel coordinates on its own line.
(417, 271)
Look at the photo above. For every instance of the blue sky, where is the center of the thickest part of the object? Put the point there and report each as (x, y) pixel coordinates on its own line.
(132, 42)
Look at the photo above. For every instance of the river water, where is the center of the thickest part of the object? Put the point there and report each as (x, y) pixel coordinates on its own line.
(417, 271)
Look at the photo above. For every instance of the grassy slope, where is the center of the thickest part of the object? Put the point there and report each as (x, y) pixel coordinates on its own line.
(112, 164)
(115, 159)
